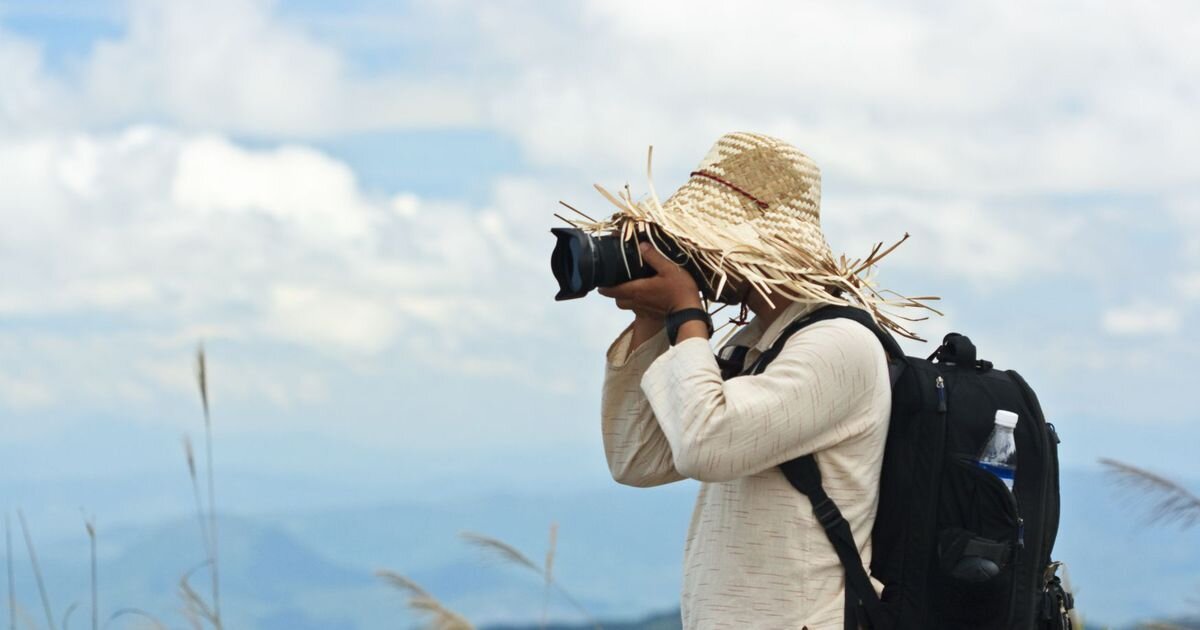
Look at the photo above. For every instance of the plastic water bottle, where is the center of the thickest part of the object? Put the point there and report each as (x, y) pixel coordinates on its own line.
(999, 455)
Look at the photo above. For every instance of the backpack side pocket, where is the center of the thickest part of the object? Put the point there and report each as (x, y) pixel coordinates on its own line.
(978, 539)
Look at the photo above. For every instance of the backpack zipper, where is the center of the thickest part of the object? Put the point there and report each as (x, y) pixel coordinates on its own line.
(1016, 560)
(1017, 551)
(940, 384)
(1049, 460)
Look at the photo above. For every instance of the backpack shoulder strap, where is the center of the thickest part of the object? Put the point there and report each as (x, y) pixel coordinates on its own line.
(896, 359)
(862, 602)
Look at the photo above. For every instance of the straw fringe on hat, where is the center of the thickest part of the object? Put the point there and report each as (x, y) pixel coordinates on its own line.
(751, 210)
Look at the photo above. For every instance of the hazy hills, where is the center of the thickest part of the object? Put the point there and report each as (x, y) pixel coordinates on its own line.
(619, 553)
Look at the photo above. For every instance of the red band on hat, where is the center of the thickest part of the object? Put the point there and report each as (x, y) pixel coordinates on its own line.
(760, 203)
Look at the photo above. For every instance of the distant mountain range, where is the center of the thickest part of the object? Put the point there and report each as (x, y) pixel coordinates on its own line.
(671, 621)
(619, 553)
(660, 621)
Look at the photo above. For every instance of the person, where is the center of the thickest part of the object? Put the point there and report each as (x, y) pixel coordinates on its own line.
(755, 555)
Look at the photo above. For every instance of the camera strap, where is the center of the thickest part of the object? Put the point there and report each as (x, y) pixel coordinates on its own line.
(732, 360)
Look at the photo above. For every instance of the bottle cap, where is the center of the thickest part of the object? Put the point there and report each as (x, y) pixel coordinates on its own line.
(1006, 419)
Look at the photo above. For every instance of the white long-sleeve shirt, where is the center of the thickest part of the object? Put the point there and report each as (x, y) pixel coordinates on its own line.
(755, 555)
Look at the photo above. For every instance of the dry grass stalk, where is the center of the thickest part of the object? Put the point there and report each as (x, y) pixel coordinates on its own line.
(90, 524)
(421, 601)
(8, 561)
(193, 603)
(504, 550)
(549, 571)
(67, 614)
(551, 549)
(1171, 502)
(192, 599)
(513, 555)
(135, 612)
(193, 618)
(205, 535)
(202, 382)
(27, 620)
(37, 571)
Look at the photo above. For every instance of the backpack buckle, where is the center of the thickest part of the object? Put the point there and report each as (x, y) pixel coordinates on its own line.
(828, 514)
(955, 350)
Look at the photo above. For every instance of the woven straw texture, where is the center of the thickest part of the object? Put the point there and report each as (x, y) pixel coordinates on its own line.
(751, 211)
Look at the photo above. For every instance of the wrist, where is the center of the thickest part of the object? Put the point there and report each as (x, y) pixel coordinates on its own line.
(687, 323)
(692, 301)
(694, 328)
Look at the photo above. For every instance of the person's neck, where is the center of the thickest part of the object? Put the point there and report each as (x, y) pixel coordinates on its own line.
(762, 310)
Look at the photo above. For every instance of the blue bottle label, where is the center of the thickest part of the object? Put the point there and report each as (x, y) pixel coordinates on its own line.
(1004, 473)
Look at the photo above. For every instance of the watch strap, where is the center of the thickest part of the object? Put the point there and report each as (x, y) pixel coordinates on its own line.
(676, 319)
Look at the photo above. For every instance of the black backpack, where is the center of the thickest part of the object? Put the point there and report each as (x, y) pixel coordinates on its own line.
(952, 546)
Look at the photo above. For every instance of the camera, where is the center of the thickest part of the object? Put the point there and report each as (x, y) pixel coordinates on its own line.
(582, 262)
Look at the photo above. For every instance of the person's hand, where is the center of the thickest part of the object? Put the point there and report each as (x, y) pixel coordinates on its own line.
(672, 288)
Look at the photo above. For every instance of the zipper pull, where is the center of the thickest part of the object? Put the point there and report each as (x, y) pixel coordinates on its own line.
(1053, 433)
(1020, 533)
(940, 384)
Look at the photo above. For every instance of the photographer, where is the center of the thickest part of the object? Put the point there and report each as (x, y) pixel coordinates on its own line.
(755, 555)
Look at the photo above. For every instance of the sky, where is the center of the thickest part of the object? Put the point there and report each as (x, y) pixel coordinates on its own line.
(348, 205)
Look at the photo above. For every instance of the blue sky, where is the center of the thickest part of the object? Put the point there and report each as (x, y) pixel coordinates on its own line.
(349, 207)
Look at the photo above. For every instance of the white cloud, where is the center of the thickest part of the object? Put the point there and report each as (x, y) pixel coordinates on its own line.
(291, 184)
(29, 99)
(1188, 285)
(941, 123)
(233, 65)
(1184, 208)
(972, 98)
(21, 392)
(313, 316)
(191, 236)
(953, 237)
(1142, 319)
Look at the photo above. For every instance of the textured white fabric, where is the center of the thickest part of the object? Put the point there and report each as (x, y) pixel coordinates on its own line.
(755, 555)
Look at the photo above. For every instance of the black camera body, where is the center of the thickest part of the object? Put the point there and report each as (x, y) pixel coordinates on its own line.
(582, 262)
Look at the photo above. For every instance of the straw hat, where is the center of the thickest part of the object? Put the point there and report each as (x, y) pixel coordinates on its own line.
(752, 211)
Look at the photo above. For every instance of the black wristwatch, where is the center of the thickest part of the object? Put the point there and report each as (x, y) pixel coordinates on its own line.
(675, 319)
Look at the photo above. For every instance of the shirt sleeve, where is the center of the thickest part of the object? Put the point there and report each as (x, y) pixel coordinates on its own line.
(638, 453)
(808, 399)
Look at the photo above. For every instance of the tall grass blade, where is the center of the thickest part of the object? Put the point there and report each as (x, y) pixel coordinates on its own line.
(506, 551)
(192, 600)
(37, 571)
(91, 530)
(26, 619)
(512, 554)
(205, 535)
(202, 382)
(548, 571)
(135, 612)
(193, 618)
(1170, 503)
(421, 601)
(67, 615)
(12, 587)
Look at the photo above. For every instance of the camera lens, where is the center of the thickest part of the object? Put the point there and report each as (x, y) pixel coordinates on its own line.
(581, 262)
(575, 281)
(572, 263)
